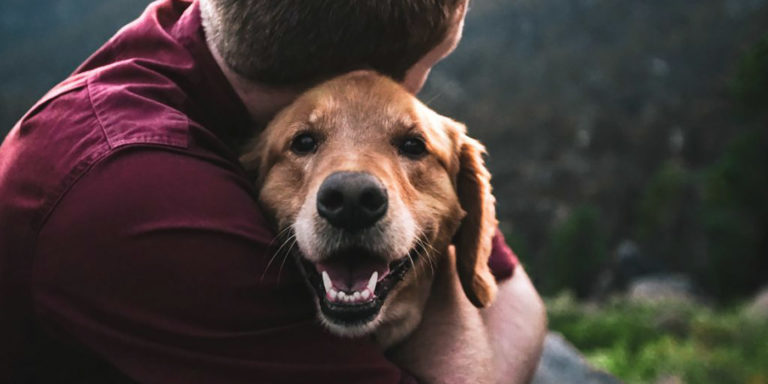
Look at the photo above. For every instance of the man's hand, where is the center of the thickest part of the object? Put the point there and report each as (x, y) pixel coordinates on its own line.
(457, 343)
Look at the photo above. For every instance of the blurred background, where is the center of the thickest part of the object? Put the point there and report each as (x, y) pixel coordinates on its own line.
(629, 146)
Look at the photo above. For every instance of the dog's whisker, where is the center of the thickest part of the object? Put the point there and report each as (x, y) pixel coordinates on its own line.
(277, 252)
(426, 242)
(276, 238)
(426, 249)
(292, 236)
(285, 257)
(420, 254)
(281, 233)
(269, 263)
(418, 249)
(413, 265)
(427, 255)
(430, 262)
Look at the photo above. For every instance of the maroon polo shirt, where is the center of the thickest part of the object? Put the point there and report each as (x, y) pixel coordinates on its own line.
(131, 246)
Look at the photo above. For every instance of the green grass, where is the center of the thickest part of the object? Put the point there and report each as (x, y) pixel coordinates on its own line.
(641, 343)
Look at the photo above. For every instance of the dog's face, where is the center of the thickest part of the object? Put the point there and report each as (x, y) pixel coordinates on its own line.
(374, 186)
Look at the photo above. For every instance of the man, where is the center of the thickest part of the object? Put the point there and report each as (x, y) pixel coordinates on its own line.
(131, 247)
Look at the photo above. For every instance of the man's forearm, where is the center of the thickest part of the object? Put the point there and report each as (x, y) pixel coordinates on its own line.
(516, 324)
(457, 343)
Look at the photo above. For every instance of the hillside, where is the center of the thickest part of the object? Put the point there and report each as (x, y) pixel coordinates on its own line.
(584, 102)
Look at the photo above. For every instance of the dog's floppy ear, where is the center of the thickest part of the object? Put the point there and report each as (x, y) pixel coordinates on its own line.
(473, 240)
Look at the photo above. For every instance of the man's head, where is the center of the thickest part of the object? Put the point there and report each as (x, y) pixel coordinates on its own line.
(295, 42)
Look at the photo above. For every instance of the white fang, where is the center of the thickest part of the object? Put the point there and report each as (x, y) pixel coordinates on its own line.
(372, 282)
(327, 282)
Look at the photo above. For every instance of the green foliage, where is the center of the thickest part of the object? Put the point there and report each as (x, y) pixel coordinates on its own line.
(735, 216)
(664, 213)
(750, 83)
(643, 342)
(662, 196)
(577, 252)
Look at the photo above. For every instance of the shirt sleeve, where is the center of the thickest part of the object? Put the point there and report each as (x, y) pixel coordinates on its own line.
(502, 260)
(161, 264)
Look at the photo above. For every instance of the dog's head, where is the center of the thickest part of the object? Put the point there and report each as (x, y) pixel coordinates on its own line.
(375, 186)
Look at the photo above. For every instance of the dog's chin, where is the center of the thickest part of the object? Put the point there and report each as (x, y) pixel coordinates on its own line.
(349, 303)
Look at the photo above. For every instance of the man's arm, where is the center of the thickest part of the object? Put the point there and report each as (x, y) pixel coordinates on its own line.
(457, 343)
(517, 325)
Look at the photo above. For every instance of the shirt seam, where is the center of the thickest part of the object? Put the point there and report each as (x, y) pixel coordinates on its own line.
(174, 119)
(95, 113)
(84, 167)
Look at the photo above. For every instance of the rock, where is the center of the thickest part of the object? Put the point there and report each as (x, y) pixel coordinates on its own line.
(562, 363)
(662, 287)
(627, 265)
(758, 308)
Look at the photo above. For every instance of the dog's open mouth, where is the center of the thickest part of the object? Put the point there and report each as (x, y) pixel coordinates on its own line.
(351, 286)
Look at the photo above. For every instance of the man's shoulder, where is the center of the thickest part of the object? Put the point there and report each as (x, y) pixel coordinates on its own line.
(88, 118)
(136, 105)
(94, 113)
(103, 110)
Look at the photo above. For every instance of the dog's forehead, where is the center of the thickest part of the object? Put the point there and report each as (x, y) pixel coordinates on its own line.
(376, 107)
(354, 109)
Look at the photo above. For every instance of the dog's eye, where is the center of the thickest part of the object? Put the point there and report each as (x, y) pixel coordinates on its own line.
(412, 147)
(304, 144)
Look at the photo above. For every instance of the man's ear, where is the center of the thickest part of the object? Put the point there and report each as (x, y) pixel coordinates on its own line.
(473, 240)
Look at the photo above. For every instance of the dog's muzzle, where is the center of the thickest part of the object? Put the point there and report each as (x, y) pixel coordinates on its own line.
(353, 282)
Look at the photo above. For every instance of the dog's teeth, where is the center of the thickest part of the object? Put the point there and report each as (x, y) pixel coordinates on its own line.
(327, 282)
(372, 282)
(350, 297)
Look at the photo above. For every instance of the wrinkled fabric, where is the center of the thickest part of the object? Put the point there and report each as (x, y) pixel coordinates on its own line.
(131, 246)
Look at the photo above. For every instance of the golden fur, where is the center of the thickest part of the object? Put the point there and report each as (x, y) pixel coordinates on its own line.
(440, 199)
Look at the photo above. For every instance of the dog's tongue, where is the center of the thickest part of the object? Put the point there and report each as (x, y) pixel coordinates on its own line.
(352, 274)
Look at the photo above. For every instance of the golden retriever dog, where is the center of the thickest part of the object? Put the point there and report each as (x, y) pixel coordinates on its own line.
(380, 193)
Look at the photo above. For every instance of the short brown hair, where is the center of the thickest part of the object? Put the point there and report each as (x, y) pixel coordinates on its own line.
(284, 42)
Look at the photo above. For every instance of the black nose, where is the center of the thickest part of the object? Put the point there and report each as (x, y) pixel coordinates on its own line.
(352, 200)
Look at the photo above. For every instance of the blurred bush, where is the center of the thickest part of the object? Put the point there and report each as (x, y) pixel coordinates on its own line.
(641, 343)
(735, 217)
(577, 253)
(711, 222)
(750, 84)
(735, 189)
(666, 215)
